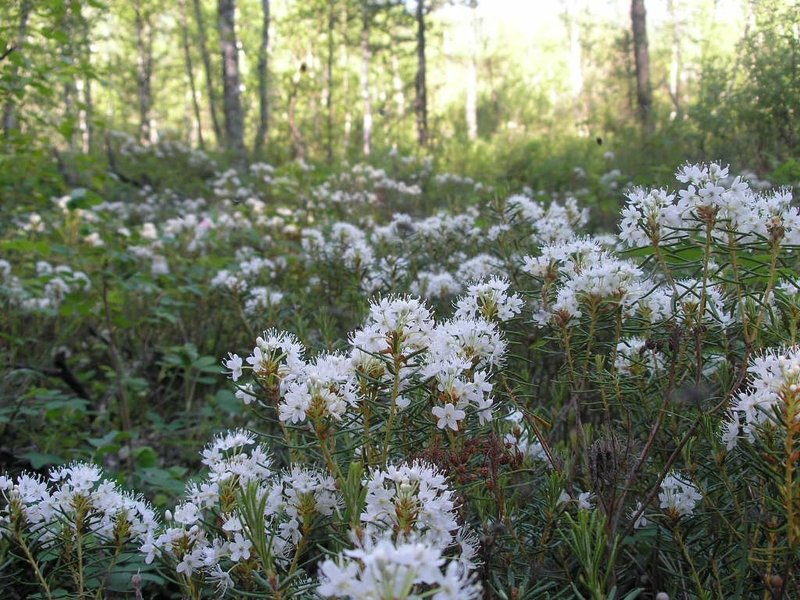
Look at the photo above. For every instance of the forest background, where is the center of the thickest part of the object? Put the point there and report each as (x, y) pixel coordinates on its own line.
(510, 90)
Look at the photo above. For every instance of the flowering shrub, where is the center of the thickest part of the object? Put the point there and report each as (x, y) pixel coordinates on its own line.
(490, 404)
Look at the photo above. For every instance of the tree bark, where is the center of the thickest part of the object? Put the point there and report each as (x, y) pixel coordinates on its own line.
(231, 100)
(187, 53)
(572, 18)
(298, 146)
(366, 56)
(397, 84)
(9, 109)
(329, 84)
(675, 63)
(263, 99)
(144, 71)
(471, 107)
(641, 53)
(420, 85)
(206, 56)
(348, 111)
(87, 111)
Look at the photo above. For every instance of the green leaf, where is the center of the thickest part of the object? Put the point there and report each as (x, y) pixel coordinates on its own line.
(146, 457)
(107, 439)
(40, 459)
(208, 364)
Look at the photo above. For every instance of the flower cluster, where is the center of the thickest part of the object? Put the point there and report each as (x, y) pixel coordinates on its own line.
(711, 200)
(209, 535)
(76, 502)
(387, 570)
(678, 496)
(773, 378)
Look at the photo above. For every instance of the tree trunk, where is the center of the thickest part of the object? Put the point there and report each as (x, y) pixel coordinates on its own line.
(420, 86)
(644, 92)
(187, 53)
(144, 72)
(572, 17)
(366, 56)
(675, 59)
(397, 84)
(263, 110)
(329, 85)
(68, 52)
(87, 111)
(298, 146)
(231, 100)
(9, 109)
(348, 111)
(472, 79)
(206, 56)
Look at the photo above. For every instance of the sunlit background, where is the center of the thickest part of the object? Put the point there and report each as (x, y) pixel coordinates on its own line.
(341, 76)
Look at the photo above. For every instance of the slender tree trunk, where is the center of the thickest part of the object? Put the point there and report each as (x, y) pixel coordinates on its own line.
(366, 57)
(144, 72)
(572, 18)
(675, 58)
(397, 84)
(263, 99)
(9, 109)
(329, 84)
(68, 52)
(298, 146)
(420, 85)
(641, 53)
(206, 57)
(348, 112)
(88, 111)
(187, 54)
(231, 100)
(472, 79)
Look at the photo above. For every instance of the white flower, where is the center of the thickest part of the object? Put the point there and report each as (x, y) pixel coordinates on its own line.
(448, 416)
(678, 495)
(586, 501)
(384, 570)
(771, 378)
(240, 548)
(328, 383)
(413, 498)
(489, 299)
(246, 393)
(234, 364)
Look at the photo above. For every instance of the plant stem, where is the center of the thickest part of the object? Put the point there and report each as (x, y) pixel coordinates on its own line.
(35, 565)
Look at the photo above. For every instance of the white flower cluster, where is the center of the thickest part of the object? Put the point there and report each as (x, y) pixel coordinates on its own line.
(557, 223)
(78, 493)
(387, 570)
(445, 179)
(400, 343)
(678, 495)
(773, 377)
(580, 272)
(344, 244)
(48, 291)
(522, 441)
(435, 285)
(635, 358)
(414, 502)
(489, 299)
(208, 532)
(362, 184)
(710, 199)
(325, 387)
